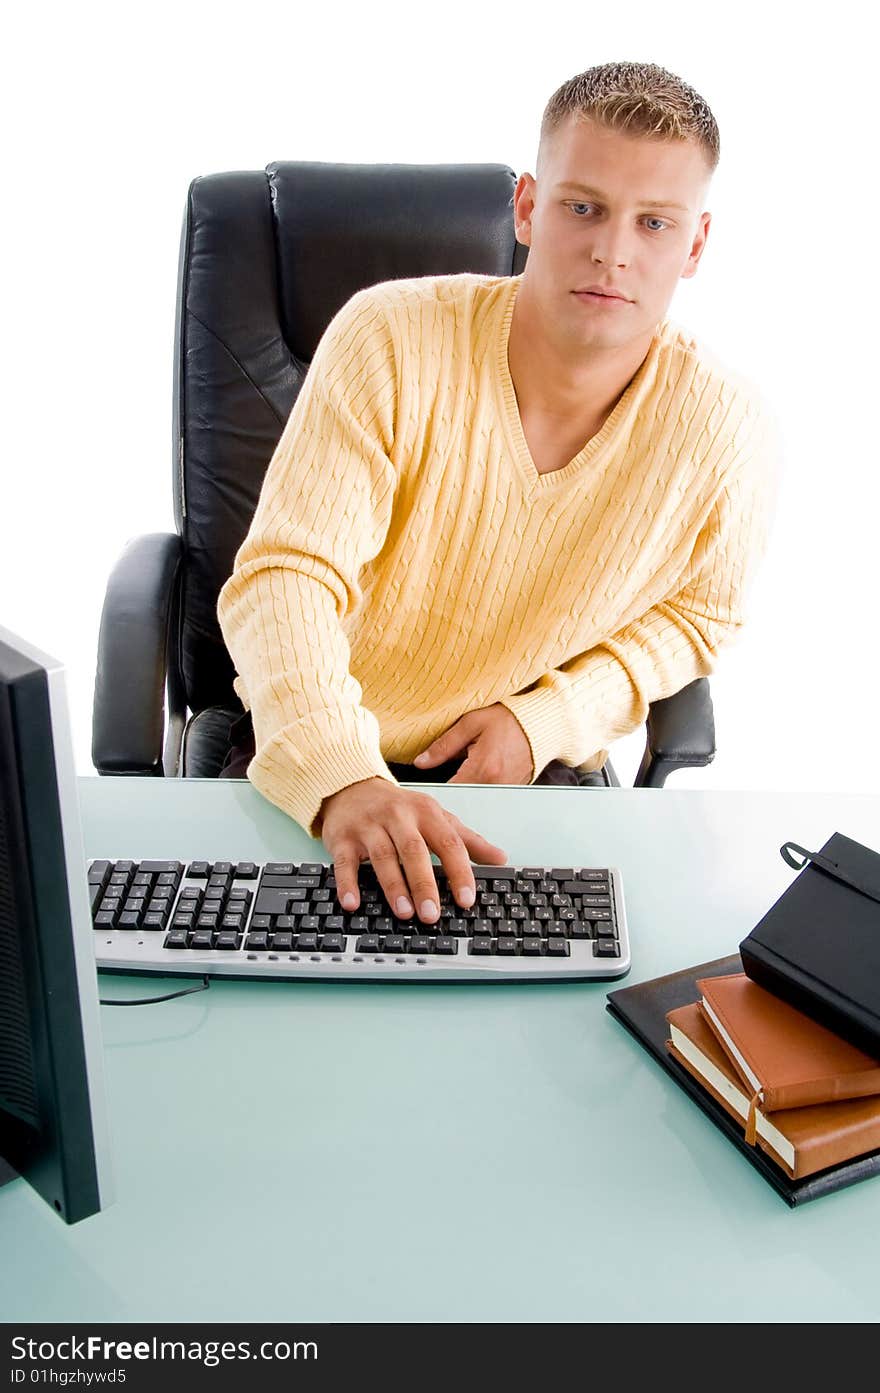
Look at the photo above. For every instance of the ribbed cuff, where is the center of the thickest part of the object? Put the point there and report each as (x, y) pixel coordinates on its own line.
(543, 719)
(299, 784)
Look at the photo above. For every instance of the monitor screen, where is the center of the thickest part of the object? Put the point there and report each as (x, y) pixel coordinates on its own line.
(53, 1117)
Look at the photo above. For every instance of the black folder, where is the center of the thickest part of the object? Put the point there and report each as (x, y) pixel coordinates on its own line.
(642, 1010)
(818, 946)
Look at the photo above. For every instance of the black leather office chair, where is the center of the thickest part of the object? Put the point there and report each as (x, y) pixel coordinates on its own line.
(267, 257)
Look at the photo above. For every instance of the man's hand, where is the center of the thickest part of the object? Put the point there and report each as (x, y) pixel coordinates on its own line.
(497, 749)
(396, 829)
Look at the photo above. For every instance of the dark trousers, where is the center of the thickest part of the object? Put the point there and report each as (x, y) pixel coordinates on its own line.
(244, 749)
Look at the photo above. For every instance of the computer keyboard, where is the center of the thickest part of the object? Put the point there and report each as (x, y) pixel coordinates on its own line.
(282, 919)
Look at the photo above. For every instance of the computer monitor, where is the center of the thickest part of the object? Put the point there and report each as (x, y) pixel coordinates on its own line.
(53, 1115)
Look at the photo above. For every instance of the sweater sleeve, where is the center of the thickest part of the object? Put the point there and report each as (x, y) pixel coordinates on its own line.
(576, 711)
(324, 510)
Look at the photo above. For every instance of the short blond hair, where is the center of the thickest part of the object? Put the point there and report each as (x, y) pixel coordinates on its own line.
(638, 97)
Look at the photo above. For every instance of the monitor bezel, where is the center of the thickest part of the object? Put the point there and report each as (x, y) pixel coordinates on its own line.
(66, 1157)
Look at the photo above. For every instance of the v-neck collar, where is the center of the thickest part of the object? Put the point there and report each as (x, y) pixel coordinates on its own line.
(509, 408)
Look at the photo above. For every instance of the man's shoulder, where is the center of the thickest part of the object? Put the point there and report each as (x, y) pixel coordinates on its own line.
(416, 294)
(685, 357)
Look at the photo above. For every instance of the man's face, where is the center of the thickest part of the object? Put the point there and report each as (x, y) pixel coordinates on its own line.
(603, 212)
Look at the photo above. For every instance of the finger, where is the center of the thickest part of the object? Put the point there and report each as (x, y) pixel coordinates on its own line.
(481, 850)
(449, 845)
(346, 861)
(446, 746)
(409, 886)
(467, 773)
(418, 867)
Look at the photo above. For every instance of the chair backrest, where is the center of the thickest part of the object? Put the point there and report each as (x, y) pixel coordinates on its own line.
(267, 257)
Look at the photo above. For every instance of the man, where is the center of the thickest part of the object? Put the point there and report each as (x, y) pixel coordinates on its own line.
(506, 513)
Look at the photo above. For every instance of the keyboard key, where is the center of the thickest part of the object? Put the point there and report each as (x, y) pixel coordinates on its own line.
(161, 867)
(393, 943)
(443, 944)
(278, 868)
(313, 868)
(222, 868)
(421, 943)
(96, 895)
(605, 931)
(129, 921)
(605, 948)
(154, 921)
(508, 947)
(306, 943)
(246, 870)
(367, 943)
(558, 947)
(199, 870)
(531, 947)
(228, 940)
(105, 920)
(332, 943)
(99, 872)
(481, 945)
(176, 939)
(258, 941)
(282, 941)
(202, 938)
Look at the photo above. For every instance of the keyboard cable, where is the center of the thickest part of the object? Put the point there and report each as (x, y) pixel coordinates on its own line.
(154, 1000)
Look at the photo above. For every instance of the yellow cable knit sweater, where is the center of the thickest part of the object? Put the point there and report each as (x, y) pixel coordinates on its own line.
(407, 562)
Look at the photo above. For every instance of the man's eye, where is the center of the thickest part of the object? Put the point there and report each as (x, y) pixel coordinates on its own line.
(579, 207)
(662, 222)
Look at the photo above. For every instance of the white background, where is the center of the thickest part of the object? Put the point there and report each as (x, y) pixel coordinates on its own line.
(109, 114)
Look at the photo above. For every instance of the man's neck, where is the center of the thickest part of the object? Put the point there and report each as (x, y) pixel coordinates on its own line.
(551, 381)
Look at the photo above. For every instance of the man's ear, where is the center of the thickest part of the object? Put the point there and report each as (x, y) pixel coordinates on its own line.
(523, 207)
(699, 242)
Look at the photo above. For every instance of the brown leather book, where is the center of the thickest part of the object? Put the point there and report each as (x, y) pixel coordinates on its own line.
(800, 1140)
(783, 1057)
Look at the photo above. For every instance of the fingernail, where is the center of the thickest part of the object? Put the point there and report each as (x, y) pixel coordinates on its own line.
(348, 901)
(466, 896)
(419, 759)
(428, 909)
(403, 906)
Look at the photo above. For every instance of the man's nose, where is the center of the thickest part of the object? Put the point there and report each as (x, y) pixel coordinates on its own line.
(611, 246)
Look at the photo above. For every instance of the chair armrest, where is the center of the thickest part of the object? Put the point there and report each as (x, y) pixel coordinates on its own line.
(681, 734)
(128, 716)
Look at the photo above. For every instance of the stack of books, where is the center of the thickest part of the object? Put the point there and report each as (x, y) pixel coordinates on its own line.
(779, 1044)
(808, 1098)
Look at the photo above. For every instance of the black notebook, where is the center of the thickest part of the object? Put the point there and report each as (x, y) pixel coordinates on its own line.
(818, 946)
(642, 1010)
